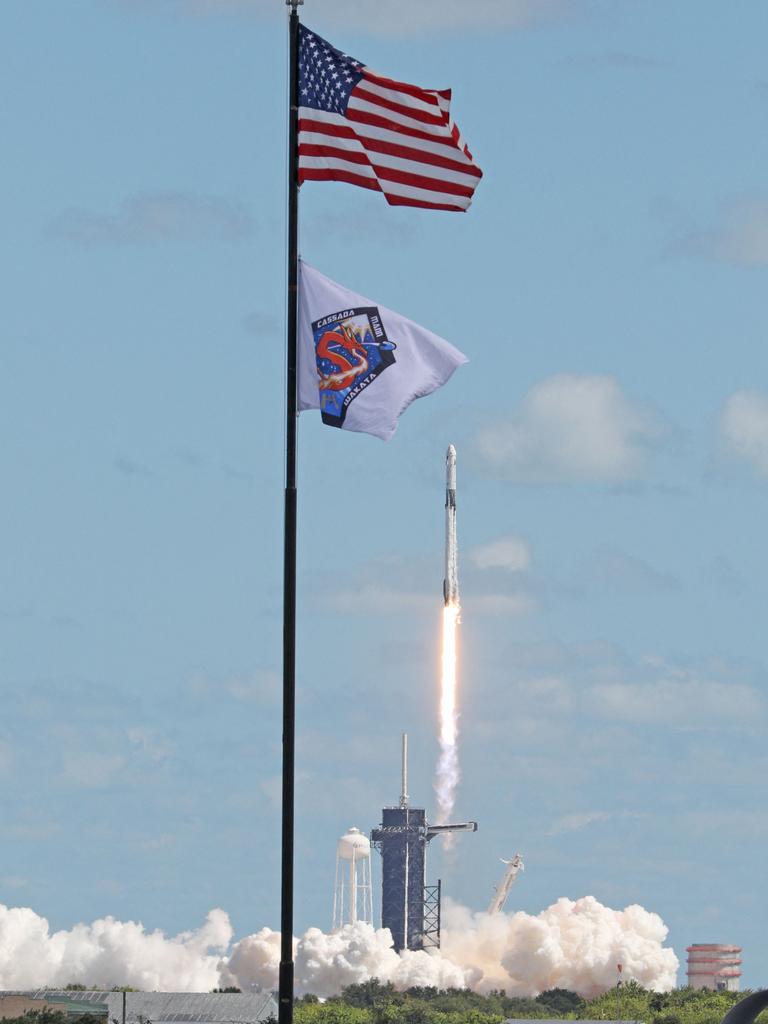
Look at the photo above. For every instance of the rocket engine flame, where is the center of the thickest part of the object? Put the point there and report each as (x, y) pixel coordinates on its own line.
(448, 773)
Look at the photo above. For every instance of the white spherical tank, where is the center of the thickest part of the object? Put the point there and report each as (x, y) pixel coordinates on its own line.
(353, 892)
(353, 845)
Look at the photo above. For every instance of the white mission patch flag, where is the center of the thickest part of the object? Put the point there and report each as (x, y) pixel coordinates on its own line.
(361, 364)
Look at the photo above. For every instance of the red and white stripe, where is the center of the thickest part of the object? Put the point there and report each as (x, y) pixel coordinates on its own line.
(396, 139)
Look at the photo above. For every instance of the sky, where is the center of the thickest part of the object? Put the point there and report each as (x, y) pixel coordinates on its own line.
(608, 288)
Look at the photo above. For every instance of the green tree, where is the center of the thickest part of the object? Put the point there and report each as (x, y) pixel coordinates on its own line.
(519, 1006)
(44, 1016)
(668, 1018)
(332, 1012)
(630, 1002)
(370, 993)
(560, 1001)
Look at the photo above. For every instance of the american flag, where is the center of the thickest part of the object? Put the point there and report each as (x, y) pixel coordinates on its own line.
(360, 127)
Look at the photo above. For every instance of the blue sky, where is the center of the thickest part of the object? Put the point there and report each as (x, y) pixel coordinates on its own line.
(612, 430)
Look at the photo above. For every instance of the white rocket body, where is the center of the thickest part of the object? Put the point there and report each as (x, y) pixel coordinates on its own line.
(451, 579)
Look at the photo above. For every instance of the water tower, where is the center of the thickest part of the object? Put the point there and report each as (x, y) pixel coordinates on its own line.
(714, 965)
(352, 893)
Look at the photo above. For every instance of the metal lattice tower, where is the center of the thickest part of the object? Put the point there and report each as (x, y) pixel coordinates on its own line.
(431, 938)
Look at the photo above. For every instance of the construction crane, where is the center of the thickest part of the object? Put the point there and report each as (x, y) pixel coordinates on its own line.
(514, 867)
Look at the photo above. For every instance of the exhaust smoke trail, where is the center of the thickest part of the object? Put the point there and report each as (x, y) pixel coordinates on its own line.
(448, 762)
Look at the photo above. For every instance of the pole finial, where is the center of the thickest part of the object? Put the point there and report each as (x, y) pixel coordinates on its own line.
(293, 4)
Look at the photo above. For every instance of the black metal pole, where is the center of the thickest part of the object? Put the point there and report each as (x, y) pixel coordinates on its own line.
(285, 992)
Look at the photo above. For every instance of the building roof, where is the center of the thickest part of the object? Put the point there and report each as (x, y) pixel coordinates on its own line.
(72, 1003)
(13, 1005)
(172, 1007)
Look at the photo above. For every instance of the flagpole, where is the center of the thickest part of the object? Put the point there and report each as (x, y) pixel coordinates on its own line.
(285, 985)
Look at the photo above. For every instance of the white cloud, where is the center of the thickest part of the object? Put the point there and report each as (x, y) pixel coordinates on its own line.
(149, 744)
(743, 825)
(130, 467)
(400, 17)
(742, 238)
(498, 604)
(510, 553)
(272, 788)
(680, 700)
(575, 822)
(14, 882)
(159, 217)
(370, 598)
(571, 427)
(395, 585)
(261, 687)
(263, 325)
(744, 428)
(550, 694)
(92, 770)
(116, 755)
(603, 686)
(617, 568)
(37, 832)
(611, 59)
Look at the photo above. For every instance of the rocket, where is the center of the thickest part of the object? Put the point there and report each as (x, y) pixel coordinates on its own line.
(451, 580)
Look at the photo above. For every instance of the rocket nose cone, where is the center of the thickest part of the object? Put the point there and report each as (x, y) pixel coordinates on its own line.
(450, 455)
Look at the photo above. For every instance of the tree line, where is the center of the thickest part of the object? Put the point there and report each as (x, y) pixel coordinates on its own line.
(375, 1003)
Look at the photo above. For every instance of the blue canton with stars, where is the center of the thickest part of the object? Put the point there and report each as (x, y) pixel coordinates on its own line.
(326, 75)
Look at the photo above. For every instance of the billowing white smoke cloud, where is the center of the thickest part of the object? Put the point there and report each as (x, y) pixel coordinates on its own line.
(255, 961)
(110, 952)
(572, 944)
(325, 963)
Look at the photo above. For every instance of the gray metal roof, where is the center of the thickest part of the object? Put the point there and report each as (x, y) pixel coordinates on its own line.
(174, 1007)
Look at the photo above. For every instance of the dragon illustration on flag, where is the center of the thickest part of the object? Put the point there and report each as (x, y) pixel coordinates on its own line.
(351, 351)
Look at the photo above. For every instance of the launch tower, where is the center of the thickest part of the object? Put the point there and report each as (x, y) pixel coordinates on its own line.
(409, 907)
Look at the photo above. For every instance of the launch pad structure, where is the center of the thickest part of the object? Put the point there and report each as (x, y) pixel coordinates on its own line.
(501, 893)
(409, 907)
